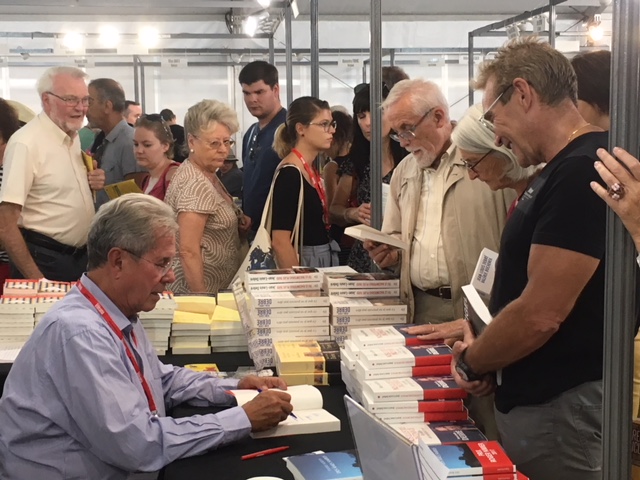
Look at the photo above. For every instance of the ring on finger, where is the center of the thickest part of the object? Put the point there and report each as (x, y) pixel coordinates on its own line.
(616, 191)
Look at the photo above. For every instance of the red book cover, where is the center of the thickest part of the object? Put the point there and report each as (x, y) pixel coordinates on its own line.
(446, 416)
(410, 340)
(441, 406)
(471, 458)
(431, 370)
(437, 388)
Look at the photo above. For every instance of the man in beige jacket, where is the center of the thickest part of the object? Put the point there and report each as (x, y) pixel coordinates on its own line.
(434, 206)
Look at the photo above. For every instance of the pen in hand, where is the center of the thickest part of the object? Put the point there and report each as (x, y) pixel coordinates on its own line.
(291, 414)
(262, 453)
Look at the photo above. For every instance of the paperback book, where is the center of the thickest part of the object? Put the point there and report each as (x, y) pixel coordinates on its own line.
(325, 466)
(283, 275)
(363, 281)
(470, 458)
(303, 298)
(341, 306)
(386, 336)
(399, 356)
(436, 433)
(418, 388)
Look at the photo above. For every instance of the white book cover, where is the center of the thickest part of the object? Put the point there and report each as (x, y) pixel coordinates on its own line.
(474, 309)
(364, 232)
(304, 298)
(289, 322)
(376, 336)
(364, 292)
(385, 357)
(366, 281)
(393, 389)
(352, 349)
(289, 312)
(341, 306)
(360, 321)
(284, 275)
(416, 431)
(348, 359)
(485, 272)
(309, 417)
(284, 287)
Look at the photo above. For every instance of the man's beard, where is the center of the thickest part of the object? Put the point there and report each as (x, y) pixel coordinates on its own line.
(423, 158)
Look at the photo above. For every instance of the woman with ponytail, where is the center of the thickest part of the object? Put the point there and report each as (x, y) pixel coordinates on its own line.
(308, 131)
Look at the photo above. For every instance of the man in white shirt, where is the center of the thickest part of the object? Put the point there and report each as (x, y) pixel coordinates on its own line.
(434, 206)
(46, 203)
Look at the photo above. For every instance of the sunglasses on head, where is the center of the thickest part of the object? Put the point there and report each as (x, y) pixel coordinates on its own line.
(360, 87)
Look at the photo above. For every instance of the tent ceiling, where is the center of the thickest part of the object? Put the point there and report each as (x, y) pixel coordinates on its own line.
(141, 10)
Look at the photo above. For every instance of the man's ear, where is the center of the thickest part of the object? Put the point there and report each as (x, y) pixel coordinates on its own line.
(115, 261)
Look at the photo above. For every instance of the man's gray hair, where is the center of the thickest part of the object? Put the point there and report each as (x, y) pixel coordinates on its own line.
(474, 137)
(45, 82)
(423, 95)
(132, 222)
(200, 116)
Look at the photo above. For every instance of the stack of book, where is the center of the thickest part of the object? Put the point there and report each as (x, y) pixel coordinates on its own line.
(191, 325)
(157, 322)
(43, 305)
(308, 362)
(227, 334)
(286, 304)
(353, 313)
(470, 460)
(325, 466)
(16, 321)
(20, 288)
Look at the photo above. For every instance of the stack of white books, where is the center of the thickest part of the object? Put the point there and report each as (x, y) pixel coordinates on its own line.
(157, 322)
(285, 304)
(191, 325)
(43, 305)
(16, 320)
(352, 313)
(227, 334)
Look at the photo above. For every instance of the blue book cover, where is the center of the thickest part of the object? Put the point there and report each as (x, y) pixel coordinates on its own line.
(325, 466)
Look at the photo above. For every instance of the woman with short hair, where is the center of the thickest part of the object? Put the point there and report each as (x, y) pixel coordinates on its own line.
(210, 224)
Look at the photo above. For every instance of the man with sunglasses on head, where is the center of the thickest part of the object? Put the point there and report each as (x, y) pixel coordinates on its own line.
(87, 396)
(435, 207)
(115, 154)
(261, 91)
(542, 352)
(46, 201)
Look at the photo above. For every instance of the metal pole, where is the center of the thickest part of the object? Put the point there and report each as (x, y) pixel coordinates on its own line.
(364, 72)
(143, 100)
(136, 85)
(621, 266)
(471, 69)
(376, 113)
(392, 57)
(552, 24)
(289, 53)
(315, 53)
(272, 52)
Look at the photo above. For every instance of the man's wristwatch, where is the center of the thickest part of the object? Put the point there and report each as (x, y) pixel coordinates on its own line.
(465, 371)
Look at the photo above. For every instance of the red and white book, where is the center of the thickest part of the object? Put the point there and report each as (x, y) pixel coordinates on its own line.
(413, 417)
(21, 287)
(419, 388)
(413, 406)
(465, 459)
(437, 433)
(411, 356)
(363, 373)
(372, 337)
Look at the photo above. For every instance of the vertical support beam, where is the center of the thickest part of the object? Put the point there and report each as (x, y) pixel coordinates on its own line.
(392, 57)
(471, 69)
(289, 53)
(376, 113)
(620, 275)
(136, 80)
(552, 24)
(143, 87)
(364, 71)
(315, 51)
(272, 51)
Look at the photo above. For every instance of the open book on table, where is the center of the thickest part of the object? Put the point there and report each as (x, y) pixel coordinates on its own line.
(364, 232)
(310, 417)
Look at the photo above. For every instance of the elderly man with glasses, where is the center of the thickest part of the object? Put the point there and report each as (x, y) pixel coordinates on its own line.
(46, 201)
(542, 352)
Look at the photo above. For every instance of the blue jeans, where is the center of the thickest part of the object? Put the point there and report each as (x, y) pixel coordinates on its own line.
(55, 265)
(557, 440)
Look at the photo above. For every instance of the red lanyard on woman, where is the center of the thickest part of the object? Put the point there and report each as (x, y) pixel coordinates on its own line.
(316, 182)
(145, 386)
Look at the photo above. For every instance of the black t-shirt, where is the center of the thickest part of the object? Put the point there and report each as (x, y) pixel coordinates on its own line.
(559, 209)
(285, 207)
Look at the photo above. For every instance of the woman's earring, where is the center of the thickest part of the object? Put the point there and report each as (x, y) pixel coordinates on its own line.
(191, 150)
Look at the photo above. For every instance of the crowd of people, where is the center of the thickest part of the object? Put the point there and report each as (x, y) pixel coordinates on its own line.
(523, 174)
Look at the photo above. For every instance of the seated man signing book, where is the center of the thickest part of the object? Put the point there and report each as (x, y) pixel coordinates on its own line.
(87, 395)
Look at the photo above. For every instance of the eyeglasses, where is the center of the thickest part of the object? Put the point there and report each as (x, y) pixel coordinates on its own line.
(72, 101)
(164, 267)
(472, 166)
(156, 117)
(216, 144)
(409, 132)
(486, 118)
(326, 125)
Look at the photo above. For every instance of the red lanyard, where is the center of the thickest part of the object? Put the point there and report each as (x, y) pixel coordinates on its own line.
(145, 386)
(316, 182)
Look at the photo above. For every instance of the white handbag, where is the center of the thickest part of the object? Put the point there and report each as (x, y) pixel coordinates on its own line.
(261, 256)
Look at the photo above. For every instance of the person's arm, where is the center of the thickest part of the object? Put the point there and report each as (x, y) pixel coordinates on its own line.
(14, 243)
(556, 279)
(330, 177)
(284, 210)
(341, 213)
(191, 226)
(286, 256)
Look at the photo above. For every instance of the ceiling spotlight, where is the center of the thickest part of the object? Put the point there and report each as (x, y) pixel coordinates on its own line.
(250, 26)
(149, 37)
(596, 33)
(264, 3)
(109, 36)
(73, 40)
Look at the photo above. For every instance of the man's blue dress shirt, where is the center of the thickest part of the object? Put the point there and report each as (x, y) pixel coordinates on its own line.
(74, 408)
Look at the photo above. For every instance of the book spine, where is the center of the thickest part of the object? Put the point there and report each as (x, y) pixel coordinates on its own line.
(339, 283)
(257, 279)
(284, 287)
(346, 310)
(292, 322)
(272, 313)
(365, 293)
(362, 321)
(290, 302)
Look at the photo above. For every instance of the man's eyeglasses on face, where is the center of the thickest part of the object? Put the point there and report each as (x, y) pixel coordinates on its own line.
(216, 144)
(409, 133)
(72, 101)
(472, 166)
(163, 268)
(486, 119)
(326, 125)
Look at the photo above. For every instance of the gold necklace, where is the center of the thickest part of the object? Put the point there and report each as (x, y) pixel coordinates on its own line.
(572, 136)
